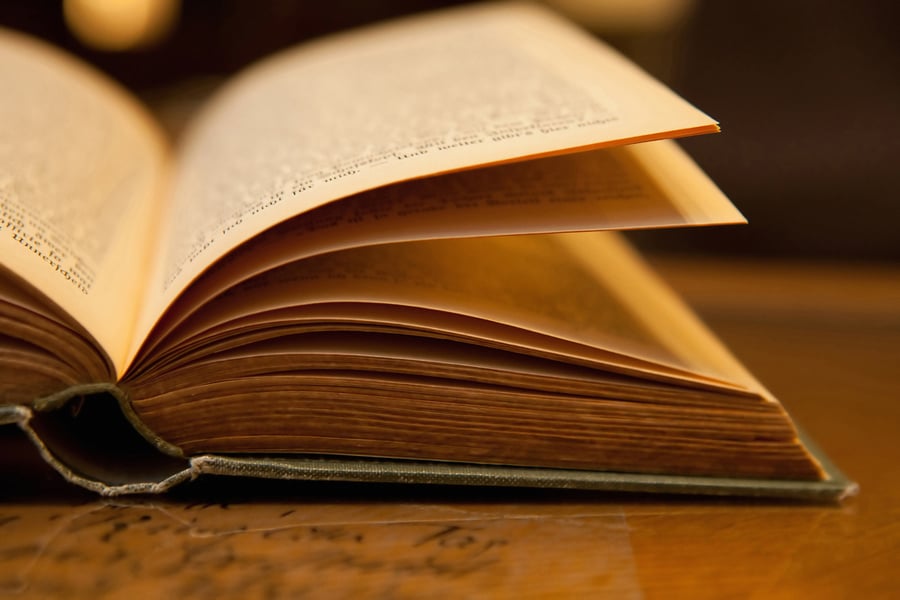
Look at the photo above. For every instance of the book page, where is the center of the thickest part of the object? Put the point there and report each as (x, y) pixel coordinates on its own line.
(613, 188)
(80, 167)
(645, 296)
(445, 92)
(541, 292)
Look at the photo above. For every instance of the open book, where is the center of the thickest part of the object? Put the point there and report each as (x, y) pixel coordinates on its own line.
(329, 277)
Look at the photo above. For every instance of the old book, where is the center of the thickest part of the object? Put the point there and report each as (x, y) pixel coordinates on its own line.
(329, 276)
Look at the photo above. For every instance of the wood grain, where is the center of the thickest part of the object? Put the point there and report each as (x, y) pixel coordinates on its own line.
(826, 341)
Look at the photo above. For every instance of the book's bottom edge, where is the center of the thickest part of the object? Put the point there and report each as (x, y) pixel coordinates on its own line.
(463, 474)
(168, 472)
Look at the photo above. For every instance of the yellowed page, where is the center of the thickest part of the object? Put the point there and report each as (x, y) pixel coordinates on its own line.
(582, 295)
(80, 165)
(650, 301)
(613, 188)
(442, 93)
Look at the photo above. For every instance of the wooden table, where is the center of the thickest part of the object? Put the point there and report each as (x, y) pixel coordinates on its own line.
(826, 340)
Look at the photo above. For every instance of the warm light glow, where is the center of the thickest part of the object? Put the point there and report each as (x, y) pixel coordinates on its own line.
(120, 24)
(625, 16)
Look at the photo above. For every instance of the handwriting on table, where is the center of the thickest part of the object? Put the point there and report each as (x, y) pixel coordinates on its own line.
(107, 548)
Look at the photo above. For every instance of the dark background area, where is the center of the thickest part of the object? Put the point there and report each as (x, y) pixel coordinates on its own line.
(808, 94)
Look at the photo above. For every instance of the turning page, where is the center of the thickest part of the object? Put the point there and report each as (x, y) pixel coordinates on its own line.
(449, 91)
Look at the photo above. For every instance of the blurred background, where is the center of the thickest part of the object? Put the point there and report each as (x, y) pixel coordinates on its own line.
(807, 91)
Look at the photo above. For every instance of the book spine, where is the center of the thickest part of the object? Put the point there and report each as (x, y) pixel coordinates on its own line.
(91, 436)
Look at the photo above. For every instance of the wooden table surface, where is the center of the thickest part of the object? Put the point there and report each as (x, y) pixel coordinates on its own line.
(826, 340)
